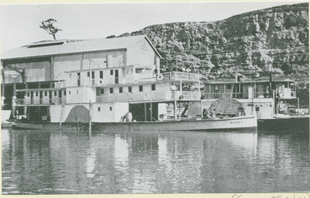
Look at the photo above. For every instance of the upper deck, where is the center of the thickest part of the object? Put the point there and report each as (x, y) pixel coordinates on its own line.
(156, 88)
(248, 89)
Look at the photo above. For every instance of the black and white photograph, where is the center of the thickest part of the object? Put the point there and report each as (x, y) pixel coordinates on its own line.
(155, 98)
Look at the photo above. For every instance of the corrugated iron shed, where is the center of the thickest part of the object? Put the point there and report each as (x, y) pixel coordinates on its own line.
(49, 48)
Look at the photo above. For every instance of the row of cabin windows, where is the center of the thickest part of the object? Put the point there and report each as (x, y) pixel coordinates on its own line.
(55, 93)
(99, 108)
(102, 91)
(100, 74)
(45, 93)
(129, 89)
(129, 70)
(216, 87)
(93, 74)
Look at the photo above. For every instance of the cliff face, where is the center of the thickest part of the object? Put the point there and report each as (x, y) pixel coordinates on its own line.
(273, 40)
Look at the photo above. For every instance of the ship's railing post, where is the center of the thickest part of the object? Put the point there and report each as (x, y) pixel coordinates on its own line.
(90, 119)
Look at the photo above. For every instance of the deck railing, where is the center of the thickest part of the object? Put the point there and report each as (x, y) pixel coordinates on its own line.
(237, 95)
(40, 101)
(181, 76)
(188, 95)
(152, 96)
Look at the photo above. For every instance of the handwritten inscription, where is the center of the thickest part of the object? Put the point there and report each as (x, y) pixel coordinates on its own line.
(236, 196)
(293, 196)
(299, 195)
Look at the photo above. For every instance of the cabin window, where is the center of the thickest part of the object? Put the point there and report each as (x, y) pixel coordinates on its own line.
(111, 72)
(111, 90)
(37, 93)
(28, 94)
(256, 108)
(228, 86)
(98, 108)
(216, 91)
(65, 92)
(102, 91)
(87, 74)
(139, 71)
(140, 88)
(129, 89)
(153, 87)
(110, 108)
(121, 89)
(77, 91)
(101, 74)
(92, 74)
(69, 92)
(45, 93)
(55, 93)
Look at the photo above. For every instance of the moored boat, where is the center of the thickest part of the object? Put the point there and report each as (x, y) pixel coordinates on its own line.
(107, 84)
(273, 99)
(244, 123)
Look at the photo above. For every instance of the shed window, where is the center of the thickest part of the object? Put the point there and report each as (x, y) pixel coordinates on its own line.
(153, 87)
(37, 93)
(129, 89)
(121, 89)
(45, 93)
(228, 86)
(55, 93)
(141, 88)
(99, 109)
(101, 74)
(102, 91)
(216, 91)
(111, 90)
(111, 72)
(110, 108)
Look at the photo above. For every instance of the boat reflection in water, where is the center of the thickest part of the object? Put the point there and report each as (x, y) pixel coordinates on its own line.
(39, 162)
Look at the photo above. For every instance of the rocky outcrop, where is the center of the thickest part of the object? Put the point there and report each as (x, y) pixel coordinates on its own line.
(273, 40)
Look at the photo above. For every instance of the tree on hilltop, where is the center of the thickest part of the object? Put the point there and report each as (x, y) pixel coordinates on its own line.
(48, 26)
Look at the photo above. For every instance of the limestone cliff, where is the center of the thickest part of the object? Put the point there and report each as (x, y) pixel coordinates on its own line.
(273, 40)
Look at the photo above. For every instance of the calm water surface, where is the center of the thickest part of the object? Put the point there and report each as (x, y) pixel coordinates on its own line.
(40, 162)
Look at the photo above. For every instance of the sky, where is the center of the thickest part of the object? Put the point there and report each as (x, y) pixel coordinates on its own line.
(19, 23)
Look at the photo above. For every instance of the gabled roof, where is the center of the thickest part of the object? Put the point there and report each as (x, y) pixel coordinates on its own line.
(49, 48)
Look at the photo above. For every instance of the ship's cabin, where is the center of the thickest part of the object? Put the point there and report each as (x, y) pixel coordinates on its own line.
(259, 88)
(261, 95)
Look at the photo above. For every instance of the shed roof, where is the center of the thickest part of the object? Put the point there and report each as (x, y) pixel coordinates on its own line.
(48, 48)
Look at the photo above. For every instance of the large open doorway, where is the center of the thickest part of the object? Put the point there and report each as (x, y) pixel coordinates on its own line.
(144, 111)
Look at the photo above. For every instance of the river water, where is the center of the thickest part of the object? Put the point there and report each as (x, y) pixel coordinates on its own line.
(41, 162)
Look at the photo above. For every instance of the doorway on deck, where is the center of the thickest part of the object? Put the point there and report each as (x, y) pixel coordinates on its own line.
(144, 111)
(116, 76)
